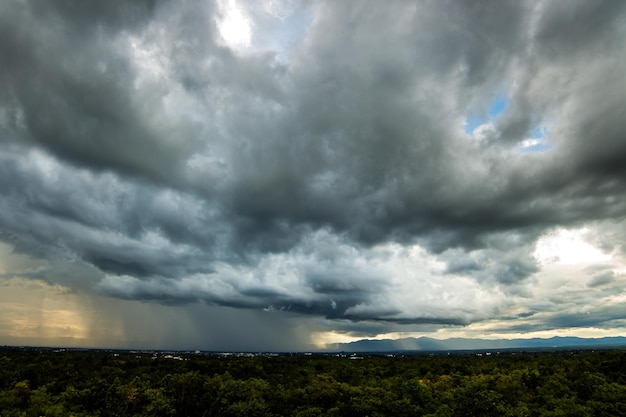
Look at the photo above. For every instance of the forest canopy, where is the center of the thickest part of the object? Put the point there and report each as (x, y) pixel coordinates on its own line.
(96, 383)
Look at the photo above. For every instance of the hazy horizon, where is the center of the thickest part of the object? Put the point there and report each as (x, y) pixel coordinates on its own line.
(409, 344)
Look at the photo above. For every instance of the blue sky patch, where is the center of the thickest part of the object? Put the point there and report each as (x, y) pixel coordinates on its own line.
(497, 106)
(536, 142)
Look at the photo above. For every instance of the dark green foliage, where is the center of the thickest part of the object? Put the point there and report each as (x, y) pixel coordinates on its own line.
(104, 384)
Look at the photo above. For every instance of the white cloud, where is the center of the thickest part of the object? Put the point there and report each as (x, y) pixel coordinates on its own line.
(568, 247)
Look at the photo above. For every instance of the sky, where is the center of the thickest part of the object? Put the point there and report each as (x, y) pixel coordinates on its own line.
(281, 174)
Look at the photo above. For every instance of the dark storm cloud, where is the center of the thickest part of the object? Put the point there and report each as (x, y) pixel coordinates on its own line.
(602, 316)
(135, 142)
(567, 30)
(71, 77)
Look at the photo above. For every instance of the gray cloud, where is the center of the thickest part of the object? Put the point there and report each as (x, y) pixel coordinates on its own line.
(601, 278)
(330, 177)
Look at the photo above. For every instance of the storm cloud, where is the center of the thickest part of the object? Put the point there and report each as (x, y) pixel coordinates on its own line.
(363, 166)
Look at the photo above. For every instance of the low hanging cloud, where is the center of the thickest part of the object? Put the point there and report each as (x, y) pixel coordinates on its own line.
(321, 167)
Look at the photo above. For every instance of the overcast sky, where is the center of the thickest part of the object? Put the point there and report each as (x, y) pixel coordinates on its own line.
(280, 174)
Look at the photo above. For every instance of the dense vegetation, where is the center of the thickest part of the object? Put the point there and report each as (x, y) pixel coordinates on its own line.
(82, 383)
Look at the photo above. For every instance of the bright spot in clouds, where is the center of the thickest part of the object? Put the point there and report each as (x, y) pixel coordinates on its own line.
(234, 24)
(568, 247)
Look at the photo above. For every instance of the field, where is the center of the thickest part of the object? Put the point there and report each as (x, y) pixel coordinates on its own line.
(46, 382)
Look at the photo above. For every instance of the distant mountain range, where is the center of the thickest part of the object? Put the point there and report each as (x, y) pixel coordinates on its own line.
(428, 344)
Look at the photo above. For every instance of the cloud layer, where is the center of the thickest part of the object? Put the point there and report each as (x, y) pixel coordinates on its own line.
(319, 165)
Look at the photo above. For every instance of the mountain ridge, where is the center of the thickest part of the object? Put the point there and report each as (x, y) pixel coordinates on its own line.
(457, 343)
